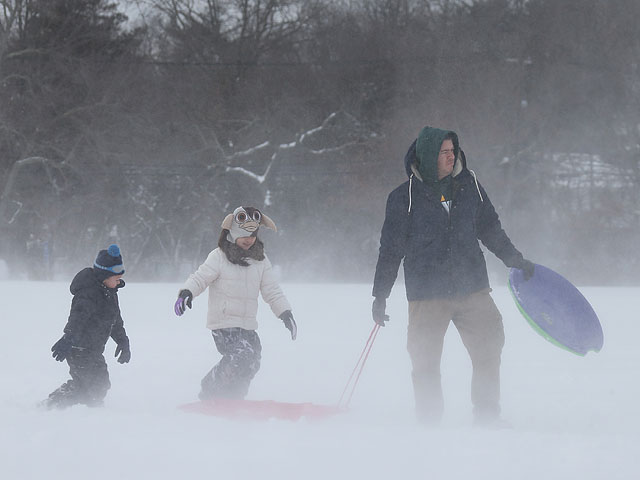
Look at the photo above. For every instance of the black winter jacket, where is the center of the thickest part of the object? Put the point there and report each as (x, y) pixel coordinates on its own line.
(95, 313)
(442, 256)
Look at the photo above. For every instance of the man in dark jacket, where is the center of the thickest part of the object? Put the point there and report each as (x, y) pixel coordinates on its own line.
(95, 316)
(434, 221)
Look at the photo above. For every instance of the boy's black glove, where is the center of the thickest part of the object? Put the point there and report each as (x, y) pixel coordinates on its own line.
(290, 323)
(184, 300)
(527, 267)
(378, 311)
(124, 351)
(61, 349)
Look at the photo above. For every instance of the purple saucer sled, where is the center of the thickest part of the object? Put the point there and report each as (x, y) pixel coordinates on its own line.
(557, 310)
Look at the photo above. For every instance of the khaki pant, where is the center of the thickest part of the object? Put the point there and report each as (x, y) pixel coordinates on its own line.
(480, 326)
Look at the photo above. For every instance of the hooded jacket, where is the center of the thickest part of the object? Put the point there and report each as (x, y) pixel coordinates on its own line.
(440, 248)
(95, 313)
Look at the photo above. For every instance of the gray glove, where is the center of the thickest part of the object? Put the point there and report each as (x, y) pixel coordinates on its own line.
(123, 352)
(378, 311)
(61, 349)
(290, 323)
(527, 267)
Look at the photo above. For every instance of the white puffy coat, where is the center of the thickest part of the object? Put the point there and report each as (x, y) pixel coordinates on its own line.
(233, 290)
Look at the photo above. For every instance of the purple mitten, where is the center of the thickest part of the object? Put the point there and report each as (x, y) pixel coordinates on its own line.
(184, 300)
(179, 307)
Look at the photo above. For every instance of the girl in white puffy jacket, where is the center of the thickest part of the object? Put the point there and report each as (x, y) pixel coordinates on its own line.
(235, 273)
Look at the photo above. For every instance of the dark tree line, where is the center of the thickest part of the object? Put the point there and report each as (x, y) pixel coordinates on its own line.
(148, 130)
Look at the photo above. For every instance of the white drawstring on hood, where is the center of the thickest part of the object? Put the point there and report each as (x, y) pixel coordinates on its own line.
(477, 186)
(410, 183)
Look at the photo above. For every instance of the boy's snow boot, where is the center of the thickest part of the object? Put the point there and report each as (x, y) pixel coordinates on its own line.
(63, 397)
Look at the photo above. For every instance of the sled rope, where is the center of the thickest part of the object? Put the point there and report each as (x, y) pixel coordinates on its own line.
(360, 363)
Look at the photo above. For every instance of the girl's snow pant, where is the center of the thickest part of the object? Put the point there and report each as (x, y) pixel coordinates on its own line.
(231, 376)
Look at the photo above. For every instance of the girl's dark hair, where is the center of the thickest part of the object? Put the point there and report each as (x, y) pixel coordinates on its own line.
(238, 255)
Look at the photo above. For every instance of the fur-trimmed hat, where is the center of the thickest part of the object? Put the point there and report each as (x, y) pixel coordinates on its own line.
(109, 262)
(245, 222)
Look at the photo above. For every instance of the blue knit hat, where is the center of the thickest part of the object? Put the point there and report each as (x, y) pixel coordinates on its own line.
(109, 262)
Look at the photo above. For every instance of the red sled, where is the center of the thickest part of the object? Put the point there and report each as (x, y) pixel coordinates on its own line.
(260, 409)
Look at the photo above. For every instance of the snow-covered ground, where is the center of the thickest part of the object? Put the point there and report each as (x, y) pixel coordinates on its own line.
(574, 417)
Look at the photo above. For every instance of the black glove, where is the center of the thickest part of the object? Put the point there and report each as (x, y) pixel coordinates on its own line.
(527, 267)
(61, 349)
(290, 323)
(124, 351)
(184, 300)
(377, 311)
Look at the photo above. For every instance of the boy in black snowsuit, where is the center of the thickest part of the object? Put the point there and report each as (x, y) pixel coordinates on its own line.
(95, 316)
